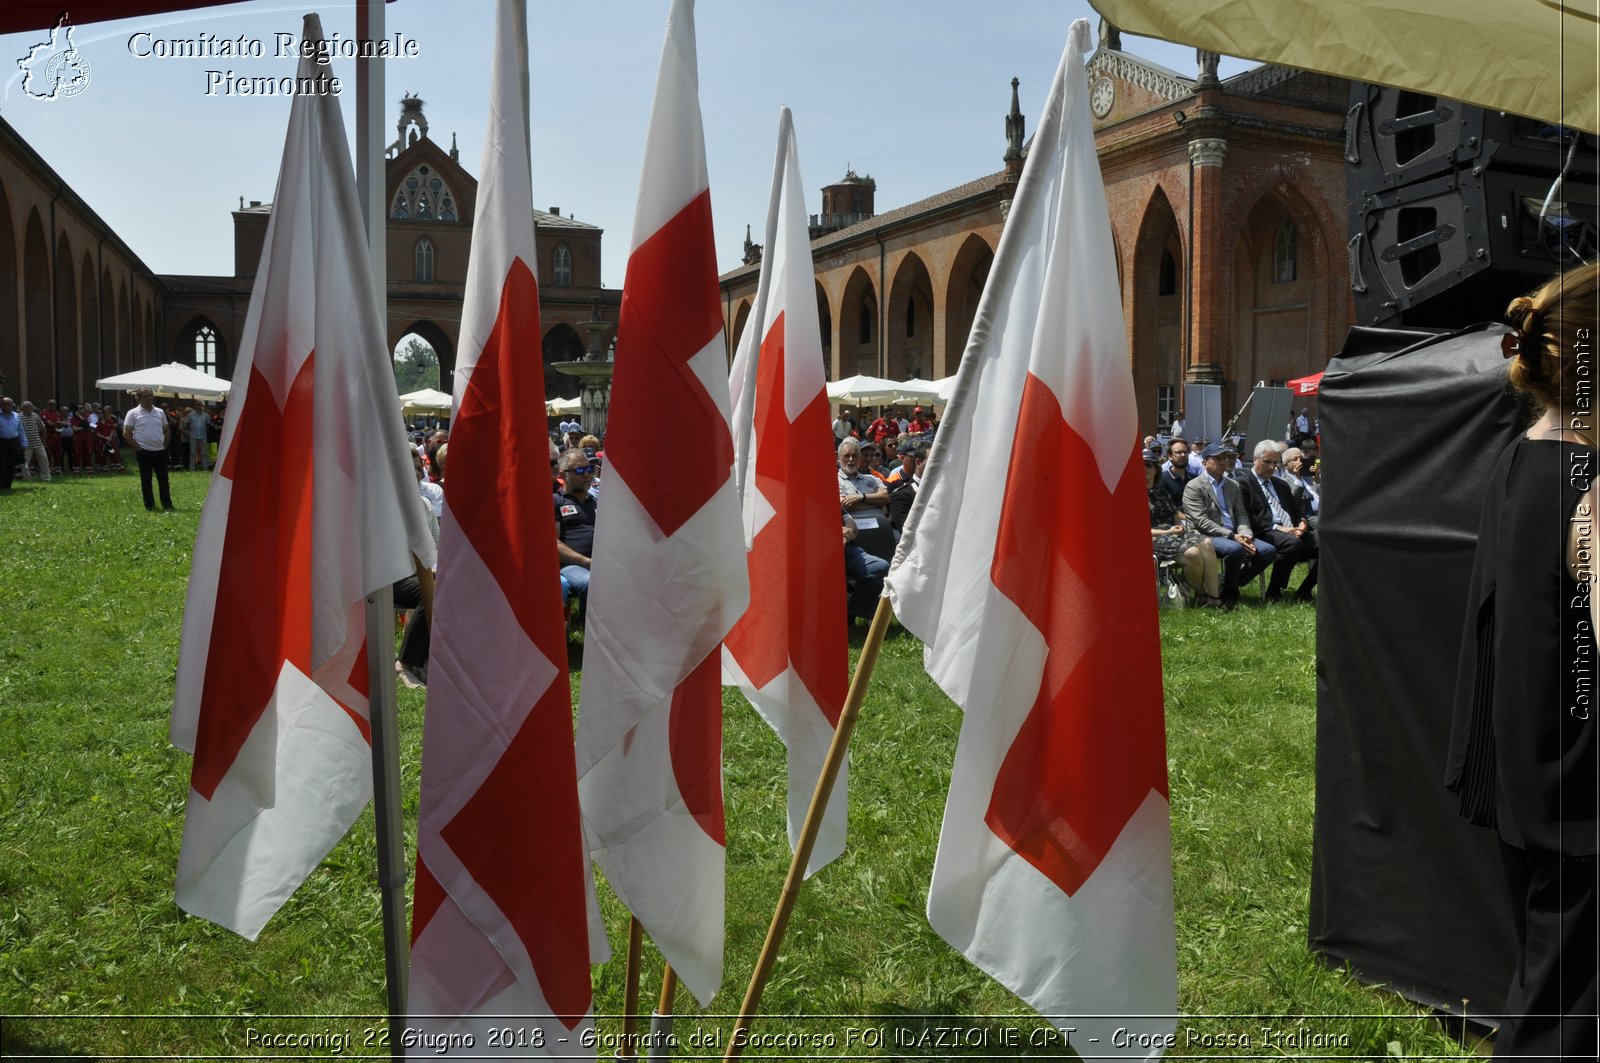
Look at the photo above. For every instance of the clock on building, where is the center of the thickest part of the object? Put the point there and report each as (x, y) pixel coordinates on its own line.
(1102, 96)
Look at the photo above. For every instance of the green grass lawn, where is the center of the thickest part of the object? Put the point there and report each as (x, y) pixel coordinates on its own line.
(96, 959)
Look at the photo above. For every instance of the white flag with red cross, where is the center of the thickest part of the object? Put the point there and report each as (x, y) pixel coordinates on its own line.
(499, 923)
(669, 576)
(1054, 870)
(314, 506)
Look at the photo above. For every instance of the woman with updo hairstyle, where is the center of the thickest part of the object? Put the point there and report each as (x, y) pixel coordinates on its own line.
(1522, 744)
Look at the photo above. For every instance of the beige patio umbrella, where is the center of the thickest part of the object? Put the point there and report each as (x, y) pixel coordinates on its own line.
(1529, 57)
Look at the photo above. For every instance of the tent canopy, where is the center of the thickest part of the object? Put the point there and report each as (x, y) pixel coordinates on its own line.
(556, 407)
(428, 400)
(864, 390)
(1528, 57)
(172, 380)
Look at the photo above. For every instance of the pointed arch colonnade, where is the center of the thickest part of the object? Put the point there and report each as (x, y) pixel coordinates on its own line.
(895, 295)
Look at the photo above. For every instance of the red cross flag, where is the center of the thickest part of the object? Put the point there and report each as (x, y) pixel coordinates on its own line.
(669, 576)
(1054, 870)
(314, 506)
(499, 920)
(788, 653)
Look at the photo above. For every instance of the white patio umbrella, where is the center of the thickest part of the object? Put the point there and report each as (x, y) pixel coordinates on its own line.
(1528, 57)
(172, 380)
(556, 407)
(428, 400)
(864, 390)
(919, 392)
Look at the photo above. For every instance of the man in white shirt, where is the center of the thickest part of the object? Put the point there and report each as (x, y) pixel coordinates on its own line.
(146, 430)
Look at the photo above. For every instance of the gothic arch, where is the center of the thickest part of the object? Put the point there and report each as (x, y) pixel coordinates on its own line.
(110, 360)
(858, 326)
(741, 317)
(150, 332)
(36, 310)
(124, 329)
(1277, 322)
(969, 271)
(1159, 289)
(11, 359)
(825, 326)
(437, 338)
(561, 343)
(89, 308)
(69, 364)
(189, 350)
(136, 336)
(910, 320)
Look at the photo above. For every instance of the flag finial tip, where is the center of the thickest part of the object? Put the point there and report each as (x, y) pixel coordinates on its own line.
(1078, 35)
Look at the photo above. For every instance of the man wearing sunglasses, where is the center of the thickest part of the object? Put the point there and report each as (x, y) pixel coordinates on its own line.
(575, 509)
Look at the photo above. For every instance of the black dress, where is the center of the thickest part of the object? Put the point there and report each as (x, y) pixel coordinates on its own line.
(1164, 515)
(1523, 751)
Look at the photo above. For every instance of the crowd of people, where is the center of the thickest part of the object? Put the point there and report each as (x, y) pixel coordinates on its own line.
(1208, 507)
(55, 440)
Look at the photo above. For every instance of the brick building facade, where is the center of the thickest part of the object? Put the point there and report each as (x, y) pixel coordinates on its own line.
(76, 304)
(1227, 210)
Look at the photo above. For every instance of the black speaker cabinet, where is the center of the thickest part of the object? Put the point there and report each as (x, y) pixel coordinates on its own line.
(1455, 211)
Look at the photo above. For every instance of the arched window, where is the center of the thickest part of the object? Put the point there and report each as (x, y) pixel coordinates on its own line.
(1283, 253)
(864, 324)
(563, 277)
(911, 318)
(1167, 284)
(205, 350)
(424, 196)
(424, 271)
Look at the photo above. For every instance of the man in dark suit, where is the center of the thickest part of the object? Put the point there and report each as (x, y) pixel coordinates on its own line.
(1214, 504)
(1275, 511)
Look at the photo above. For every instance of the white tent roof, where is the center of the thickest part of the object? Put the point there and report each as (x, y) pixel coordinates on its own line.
(863, 390)
(172, 380)
(428, 400)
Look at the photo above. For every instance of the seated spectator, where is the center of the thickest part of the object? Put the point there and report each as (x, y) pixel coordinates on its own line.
(1178, 470)
(575, 513)
(1172, 541)
(1271, 505)
(1214, 505)
(1297, 470)
(903, 490)
(872, 461)
(863, 574)
(865, 499)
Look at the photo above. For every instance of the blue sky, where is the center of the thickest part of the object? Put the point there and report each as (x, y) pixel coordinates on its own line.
(912, 93)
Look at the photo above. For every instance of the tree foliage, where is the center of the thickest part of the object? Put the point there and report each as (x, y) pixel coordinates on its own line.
(415, 367)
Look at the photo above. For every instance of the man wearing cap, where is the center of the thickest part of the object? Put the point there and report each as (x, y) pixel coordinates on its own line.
(146, 430)
(1214, 504)
(917, 426)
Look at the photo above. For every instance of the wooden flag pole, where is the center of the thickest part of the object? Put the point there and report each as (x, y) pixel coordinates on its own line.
(813, 825)
(661, 1022)
(630, 992)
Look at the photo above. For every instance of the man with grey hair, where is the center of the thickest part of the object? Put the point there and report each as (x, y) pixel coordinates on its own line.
(865, 500)
(1273, 510)
(33, 446)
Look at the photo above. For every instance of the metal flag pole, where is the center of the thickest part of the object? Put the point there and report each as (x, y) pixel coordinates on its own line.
(381, 706)
(812, 826)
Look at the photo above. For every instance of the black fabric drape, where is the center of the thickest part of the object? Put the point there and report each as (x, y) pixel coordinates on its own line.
(1402, 889)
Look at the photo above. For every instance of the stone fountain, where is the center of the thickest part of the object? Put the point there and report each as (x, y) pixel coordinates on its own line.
(593, 371)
